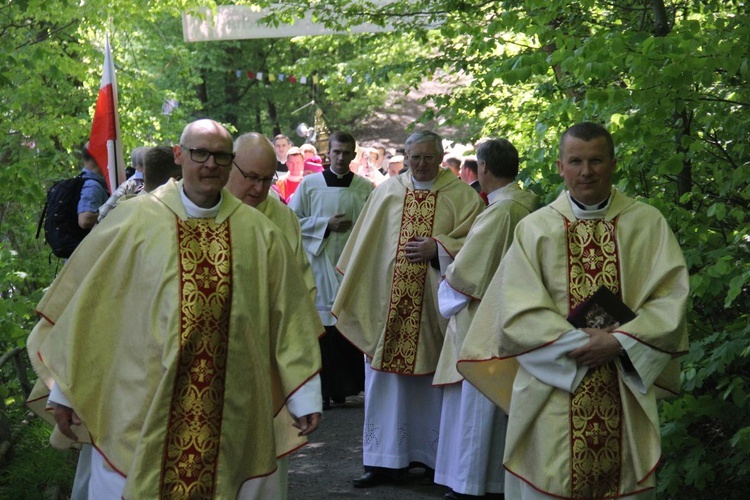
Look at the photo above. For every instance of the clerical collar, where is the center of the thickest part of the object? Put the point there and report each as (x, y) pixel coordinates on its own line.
(582, 211)
(497, 193)
(338, 180)
(196, 212)
(426, 185)
(338, 175)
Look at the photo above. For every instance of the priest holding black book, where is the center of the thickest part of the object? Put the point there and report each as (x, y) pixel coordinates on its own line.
(579, 371)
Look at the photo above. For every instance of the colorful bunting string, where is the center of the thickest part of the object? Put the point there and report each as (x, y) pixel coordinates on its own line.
(304, 80)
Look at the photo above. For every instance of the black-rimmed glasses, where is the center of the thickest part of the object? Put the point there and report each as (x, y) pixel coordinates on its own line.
(200, 155)
(254, 179)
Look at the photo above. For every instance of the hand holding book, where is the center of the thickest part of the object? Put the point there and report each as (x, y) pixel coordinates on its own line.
(601, 310)
(598, 317)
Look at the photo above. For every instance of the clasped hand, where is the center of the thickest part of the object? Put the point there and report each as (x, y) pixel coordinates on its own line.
(602, 347)
(307, 423)
(339, 223)
(420, 249)
(65, 417)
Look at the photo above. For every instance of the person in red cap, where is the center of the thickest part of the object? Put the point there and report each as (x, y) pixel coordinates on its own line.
(313, 165)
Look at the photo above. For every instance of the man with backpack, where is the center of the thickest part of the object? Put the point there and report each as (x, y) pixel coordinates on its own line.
(72, 207)
(93, 193)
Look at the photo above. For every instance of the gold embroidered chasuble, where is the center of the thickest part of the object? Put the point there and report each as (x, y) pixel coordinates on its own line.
(174, 346)
(595, 409)
(475, 265)
(284, 218)
(603, 439)
(385, 306)
(401, 338)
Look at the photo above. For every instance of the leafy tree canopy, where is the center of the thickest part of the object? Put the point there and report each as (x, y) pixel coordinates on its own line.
(671, 80)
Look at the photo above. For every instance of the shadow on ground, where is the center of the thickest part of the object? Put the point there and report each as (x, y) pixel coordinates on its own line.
(326, 466)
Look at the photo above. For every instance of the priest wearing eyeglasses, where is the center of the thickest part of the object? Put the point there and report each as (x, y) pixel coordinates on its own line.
(410, 229)
(250, 180)
(179, 399)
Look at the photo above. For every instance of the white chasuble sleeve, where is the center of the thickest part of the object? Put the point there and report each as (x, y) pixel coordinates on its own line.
(551, 364)
(450, 300)
(307, 399)
(648, 362)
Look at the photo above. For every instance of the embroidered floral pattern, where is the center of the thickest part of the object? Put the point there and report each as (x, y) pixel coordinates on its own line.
(407, 291)
(191, 446)
(595, 407)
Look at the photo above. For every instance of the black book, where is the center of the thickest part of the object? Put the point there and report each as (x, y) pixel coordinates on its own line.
(601, 310)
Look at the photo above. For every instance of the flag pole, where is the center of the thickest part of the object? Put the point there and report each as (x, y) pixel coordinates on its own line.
(105, 143)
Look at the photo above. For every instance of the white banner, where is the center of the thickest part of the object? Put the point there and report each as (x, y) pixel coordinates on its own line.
(236, 22)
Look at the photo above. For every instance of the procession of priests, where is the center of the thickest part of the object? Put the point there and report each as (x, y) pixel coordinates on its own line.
(196, 335)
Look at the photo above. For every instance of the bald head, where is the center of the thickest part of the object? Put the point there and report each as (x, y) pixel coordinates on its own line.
(203, 127)
(205, 154)
(255, 160)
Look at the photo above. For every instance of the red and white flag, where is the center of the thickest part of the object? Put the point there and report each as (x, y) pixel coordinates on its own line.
(105, 143)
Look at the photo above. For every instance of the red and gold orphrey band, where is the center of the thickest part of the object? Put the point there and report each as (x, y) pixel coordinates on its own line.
(191, 447)
(407, 292)
(595, 406)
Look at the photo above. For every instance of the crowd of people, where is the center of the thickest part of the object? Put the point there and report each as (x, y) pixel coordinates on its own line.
(235, 288)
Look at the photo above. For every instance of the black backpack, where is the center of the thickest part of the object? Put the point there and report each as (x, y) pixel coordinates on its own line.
(60, 216)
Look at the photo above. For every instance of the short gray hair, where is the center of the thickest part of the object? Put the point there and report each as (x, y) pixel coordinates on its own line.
(425, 136)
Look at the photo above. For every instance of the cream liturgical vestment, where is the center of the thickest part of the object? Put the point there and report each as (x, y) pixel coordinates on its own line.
(475, 265)
(386, 306)
(181, 397)
(472, 428)
(286, 220)
(574, 432)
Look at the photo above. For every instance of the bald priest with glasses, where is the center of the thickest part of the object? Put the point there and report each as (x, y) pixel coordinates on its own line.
(179, 398)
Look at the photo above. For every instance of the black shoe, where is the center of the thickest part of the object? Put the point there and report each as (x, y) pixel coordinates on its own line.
(370, 479)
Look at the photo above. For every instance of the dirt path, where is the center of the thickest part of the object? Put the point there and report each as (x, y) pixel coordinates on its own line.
(326, 466)
(390, 124)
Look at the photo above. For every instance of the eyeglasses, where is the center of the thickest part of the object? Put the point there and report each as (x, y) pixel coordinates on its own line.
(417, 158)
(254, 179)
(199, 155)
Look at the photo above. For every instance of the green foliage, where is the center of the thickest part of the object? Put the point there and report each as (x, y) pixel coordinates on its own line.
(33, 466)
(674, 89)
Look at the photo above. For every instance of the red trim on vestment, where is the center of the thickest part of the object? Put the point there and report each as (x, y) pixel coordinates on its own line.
(673, 354)
(295, 390)
(45, 317)
(111, 465)
(619, 495)
(462, 293)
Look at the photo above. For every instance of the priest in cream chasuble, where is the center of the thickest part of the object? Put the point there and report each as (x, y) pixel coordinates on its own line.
(472, 428)
(387, 304)
(250, 180)
(174, 333)
(580, 428)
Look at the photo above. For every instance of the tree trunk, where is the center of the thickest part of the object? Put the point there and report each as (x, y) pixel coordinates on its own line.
(683, 118)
